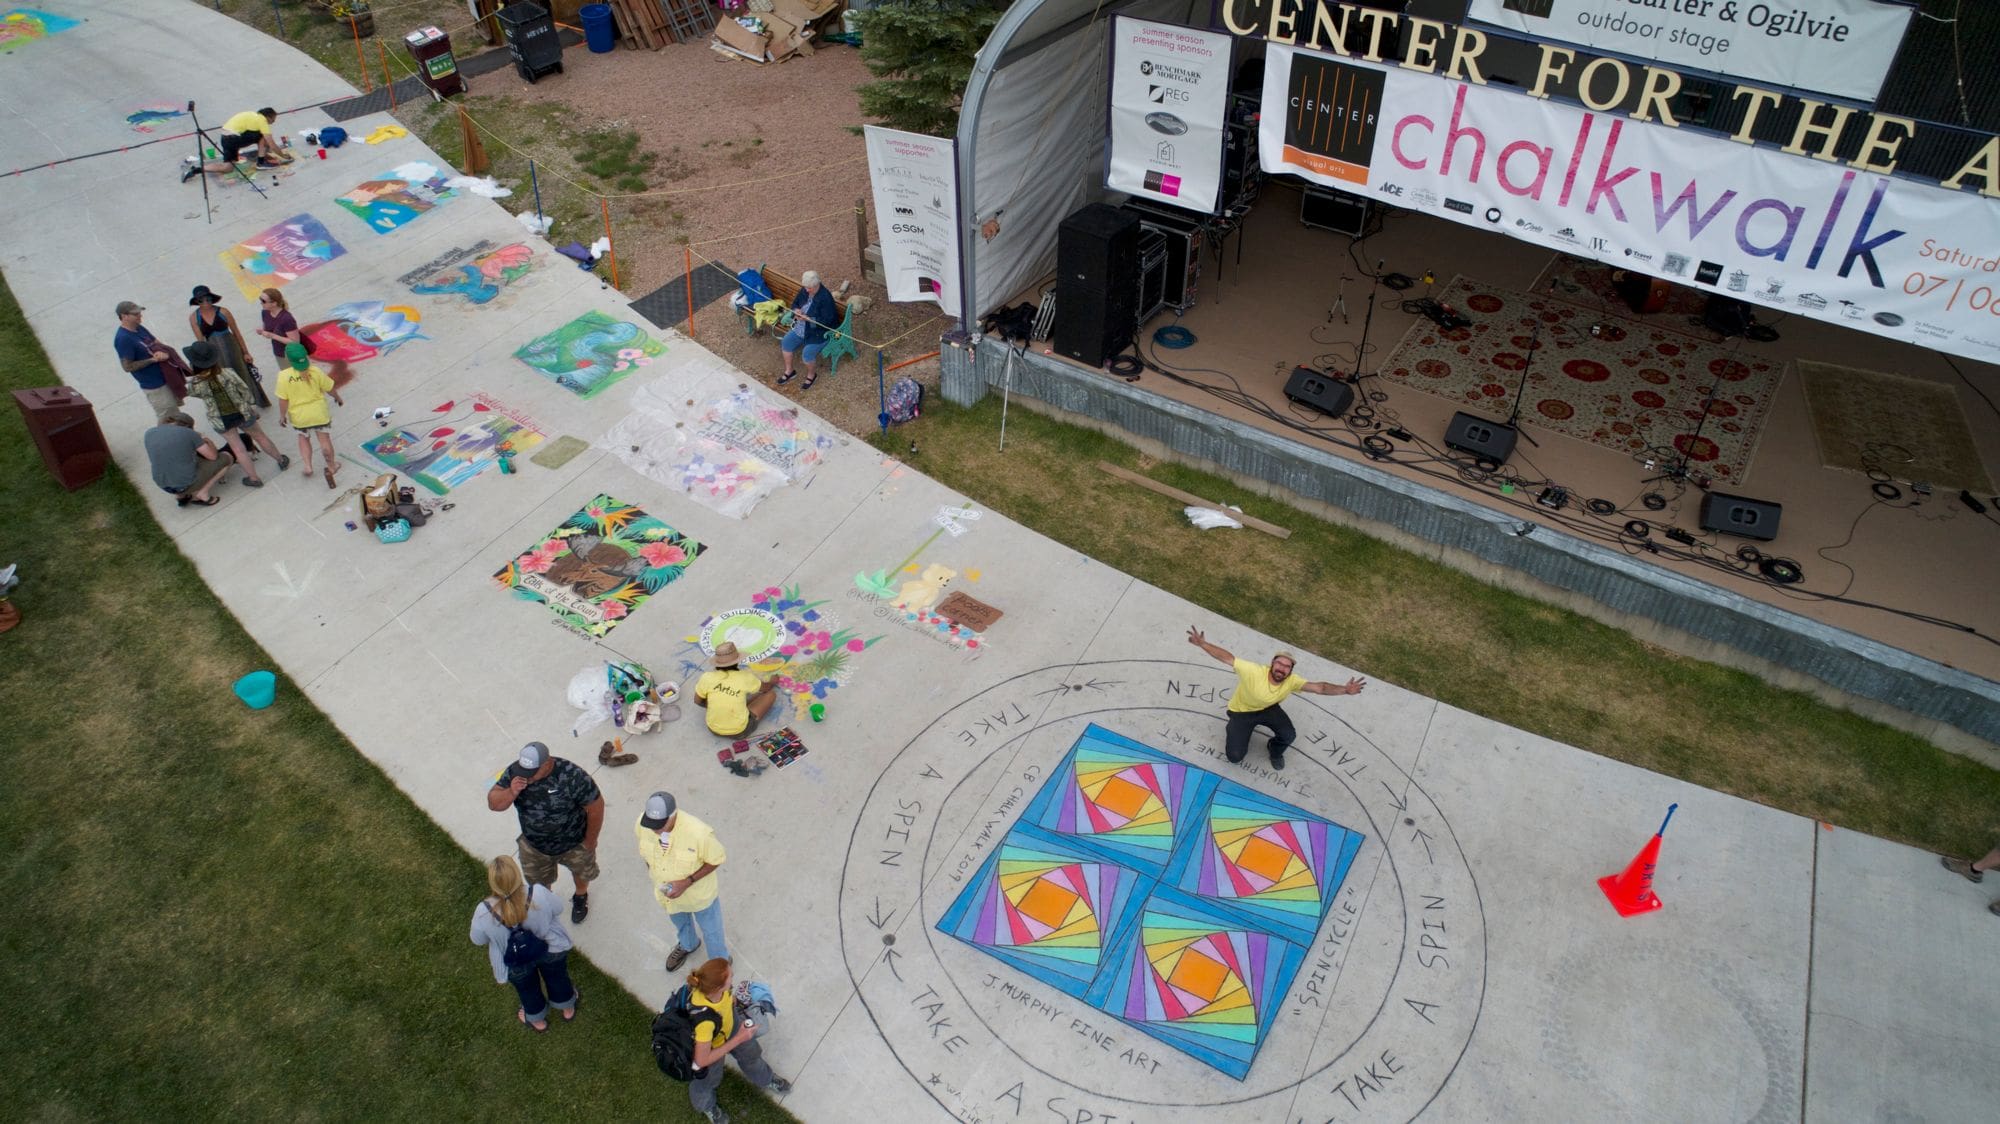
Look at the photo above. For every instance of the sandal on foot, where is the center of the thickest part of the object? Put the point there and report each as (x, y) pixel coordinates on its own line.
(539, 1028)
(788, 376)
(182, 501)
(1962, 868)
(284, 462)
(209, 502)
(252, 482)
(810, 380)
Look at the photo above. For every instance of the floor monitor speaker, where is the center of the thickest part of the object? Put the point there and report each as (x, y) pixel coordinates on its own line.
(1319, 390)
(1740, 516)
(1487, 440)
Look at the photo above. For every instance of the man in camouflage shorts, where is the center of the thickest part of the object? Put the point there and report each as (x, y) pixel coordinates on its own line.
(561, 811)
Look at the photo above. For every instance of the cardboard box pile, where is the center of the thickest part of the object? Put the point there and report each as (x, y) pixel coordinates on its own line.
(790, 26)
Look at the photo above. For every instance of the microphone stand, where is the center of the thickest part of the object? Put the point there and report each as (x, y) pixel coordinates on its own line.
(1361, 352)
(1527, 368)
(1680, 471)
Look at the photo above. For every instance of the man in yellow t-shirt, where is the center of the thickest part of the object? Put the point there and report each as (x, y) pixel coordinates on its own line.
(1259, 690)
(682, 855)
(735, 699)
(248, 130)
(302, 392)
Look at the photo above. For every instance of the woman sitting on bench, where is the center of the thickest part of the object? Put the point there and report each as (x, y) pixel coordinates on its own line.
(816, 315)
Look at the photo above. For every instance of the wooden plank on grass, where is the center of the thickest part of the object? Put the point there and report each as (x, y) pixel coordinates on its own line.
(1174, 493)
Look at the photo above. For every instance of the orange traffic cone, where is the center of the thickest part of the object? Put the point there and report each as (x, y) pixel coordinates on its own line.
(1632, 891)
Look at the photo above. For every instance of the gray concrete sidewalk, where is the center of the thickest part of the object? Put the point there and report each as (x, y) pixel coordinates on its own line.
(1012, 877)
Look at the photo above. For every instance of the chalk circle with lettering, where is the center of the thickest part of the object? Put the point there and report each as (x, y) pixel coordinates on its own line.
(1097, 916)
(755, 633)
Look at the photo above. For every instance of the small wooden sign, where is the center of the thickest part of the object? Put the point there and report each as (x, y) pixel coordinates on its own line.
(967, 612)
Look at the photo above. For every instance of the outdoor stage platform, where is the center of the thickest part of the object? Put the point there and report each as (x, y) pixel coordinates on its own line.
(1896, 607)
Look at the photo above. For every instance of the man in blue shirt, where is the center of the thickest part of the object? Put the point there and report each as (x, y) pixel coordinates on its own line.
(139, 353)
(816, 315)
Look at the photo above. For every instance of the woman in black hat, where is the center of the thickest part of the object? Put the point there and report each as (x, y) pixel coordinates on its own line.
(215, 324)
(230, 409)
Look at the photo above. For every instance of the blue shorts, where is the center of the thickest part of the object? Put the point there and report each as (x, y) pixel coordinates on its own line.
(795, 340)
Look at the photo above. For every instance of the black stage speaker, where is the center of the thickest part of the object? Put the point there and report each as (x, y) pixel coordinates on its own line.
(1334, 210)
(1726, 316)
(1098, 247)
(1097, 283)
(1319, 390)
(1487, 440)
(1093, 325)
(1737, 515)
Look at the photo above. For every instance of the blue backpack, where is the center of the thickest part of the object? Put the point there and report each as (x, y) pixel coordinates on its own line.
(332, 136)
(906, 400)
(523, 947)
(751, 283)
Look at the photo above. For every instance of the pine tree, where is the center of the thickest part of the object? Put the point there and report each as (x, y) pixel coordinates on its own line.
(921, 53)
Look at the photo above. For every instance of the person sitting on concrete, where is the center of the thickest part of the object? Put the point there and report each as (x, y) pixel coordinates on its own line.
(816, 315)
(186, 465)
(250, 129)
(735, 699)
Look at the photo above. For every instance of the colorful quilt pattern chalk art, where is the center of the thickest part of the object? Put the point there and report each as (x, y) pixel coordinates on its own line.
(1169, 898)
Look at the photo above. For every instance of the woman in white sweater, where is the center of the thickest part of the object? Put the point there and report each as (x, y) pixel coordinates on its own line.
(521, 927)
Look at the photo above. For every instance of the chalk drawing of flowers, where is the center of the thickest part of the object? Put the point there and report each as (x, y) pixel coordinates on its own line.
(662, 554)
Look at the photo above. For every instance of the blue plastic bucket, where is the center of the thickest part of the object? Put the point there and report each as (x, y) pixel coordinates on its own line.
(257, 689)
(598, 32)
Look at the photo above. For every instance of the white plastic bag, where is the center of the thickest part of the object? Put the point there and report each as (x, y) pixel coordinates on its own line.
(1207, 518)
(591, 694)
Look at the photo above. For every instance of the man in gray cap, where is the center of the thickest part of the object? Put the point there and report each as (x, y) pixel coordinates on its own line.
(561, 812)
(140, 354)
(185, 464)
(682, 854)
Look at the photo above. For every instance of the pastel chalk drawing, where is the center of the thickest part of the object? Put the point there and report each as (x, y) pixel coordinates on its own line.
(22, 26)
(599, 566)
(478, 273)
(1166, 897)
(591, 353)
(360, 330)
(397, 197)
(280, 255)
(449, 451)
(149, 117)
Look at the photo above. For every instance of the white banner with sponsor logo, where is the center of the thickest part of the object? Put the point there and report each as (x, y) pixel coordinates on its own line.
(1169, 98)
(1901, 259)
(1835, 46)
(914, 179)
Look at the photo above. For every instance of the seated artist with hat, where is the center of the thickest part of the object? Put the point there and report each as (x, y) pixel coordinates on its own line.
(247, 130)
(735, 699)
(185, 464)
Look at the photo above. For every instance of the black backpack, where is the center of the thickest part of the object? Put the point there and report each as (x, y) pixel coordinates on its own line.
(674, 1029)
(523, 947)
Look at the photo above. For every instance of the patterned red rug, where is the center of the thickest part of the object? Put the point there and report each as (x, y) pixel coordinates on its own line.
(1631, 387)
(1591, 283)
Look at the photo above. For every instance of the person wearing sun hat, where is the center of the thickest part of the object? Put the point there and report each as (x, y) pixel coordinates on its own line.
(217, 325)
(230, 408)
(682, 855)
(302, 392)
(735, 700)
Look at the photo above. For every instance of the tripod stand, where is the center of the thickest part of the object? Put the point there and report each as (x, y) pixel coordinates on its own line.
(1361, 351)
(1527, 368)
(1340, 303)
(201, 145)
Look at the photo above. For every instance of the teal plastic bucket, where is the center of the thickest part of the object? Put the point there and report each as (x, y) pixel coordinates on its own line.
(598, 32)
(257, 689)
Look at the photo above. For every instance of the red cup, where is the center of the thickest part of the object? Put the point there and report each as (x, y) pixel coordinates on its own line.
(322, 154)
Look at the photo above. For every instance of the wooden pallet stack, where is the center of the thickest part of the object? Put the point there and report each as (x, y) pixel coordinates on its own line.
(641, 24)
(689, 20)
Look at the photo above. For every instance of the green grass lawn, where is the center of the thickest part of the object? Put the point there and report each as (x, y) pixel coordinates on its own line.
(1431, 629)
(223, 913)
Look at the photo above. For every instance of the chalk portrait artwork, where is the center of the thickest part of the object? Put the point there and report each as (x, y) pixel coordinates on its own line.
(600, 565)
(591, 353)
(478, 273)
(280, 255)
(397, 197)
(1058, 894)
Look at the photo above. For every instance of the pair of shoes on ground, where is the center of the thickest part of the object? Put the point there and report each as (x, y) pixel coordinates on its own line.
(1277, 760)
(607, 754)
(541, 1026)
(788, 376)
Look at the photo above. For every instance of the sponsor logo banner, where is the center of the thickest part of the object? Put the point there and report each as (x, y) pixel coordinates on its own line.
(1169, 97)
(1835, 46)
(1900, 259)
(914, 179)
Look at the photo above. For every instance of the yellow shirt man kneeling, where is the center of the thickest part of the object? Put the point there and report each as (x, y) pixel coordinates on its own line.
(735, 699)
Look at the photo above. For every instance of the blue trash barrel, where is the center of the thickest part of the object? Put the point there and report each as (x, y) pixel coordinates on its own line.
(597, 30)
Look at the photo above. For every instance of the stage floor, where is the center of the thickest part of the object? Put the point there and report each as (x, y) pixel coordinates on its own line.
(1917, 572)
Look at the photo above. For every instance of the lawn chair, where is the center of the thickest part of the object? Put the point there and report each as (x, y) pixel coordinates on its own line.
(839, 343)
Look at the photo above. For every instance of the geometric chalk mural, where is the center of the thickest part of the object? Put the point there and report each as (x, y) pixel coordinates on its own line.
(1169, 898)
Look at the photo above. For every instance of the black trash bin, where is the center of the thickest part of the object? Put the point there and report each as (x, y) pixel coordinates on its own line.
(532, 40)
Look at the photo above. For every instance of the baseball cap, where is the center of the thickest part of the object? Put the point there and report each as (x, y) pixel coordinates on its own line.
(129, 306)
(659, 809)
(297, 355)
(533, 755)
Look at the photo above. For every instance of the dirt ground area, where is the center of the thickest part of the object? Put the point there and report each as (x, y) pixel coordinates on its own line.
(754, 166)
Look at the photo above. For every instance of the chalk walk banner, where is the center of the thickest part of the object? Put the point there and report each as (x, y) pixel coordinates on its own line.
(915, 186)
(1840, 47)
(1169, 99)
(1821, 239)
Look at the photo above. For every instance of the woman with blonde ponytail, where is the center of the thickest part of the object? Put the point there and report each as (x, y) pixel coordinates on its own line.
(521, 926)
